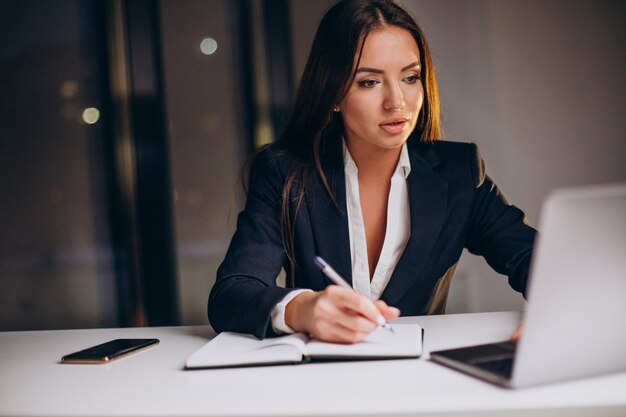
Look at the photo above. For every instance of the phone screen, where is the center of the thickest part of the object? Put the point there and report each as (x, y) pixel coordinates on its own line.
(106, 352)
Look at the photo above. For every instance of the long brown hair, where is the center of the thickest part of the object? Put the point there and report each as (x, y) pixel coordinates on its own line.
(314, 130)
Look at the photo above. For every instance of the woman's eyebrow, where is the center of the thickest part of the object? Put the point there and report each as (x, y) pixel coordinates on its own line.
(379, 71)
(411, 65)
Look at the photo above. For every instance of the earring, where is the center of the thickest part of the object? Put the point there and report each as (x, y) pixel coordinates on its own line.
(336, 109)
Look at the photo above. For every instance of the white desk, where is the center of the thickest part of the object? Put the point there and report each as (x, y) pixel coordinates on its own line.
(153, 383)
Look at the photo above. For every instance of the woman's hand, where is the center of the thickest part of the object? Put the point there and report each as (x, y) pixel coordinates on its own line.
(517, 333)
(336, 314)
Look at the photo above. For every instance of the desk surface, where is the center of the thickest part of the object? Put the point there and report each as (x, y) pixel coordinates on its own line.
(151, 383)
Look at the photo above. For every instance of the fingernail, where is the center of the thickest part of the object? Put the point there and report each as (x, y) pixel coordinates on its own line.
(394, 310)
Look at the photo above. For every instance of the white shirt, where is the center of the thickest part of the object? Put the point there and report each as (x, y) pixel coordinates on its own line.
(396, 235)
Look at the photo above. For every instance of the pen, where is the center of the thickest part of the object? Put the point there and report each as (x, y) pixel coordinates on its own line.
(338, 280)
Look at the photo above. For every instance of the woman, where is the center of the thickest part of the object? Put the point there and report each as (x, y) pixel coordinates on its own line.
(360, 178)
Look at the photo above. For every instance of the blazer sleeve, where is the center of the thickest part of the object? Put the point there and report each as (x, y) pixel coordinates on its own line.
(498, 231)
(245, 290)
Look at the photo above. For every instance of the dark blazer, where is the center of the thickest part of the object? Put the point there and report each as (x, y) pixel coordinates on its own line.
(453, 205)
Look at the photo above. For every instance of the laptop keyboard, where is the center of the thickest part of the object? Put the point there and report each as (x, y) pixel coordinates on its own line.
(502, 366)
(495, 358)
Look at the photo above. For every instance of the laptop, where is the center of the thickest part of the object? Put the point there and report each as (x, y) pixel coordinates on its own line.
(574, 319)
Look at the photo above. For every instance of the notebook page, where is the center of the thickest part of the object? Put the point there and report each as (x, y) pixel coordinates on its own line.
(405, 342)
(233, 349)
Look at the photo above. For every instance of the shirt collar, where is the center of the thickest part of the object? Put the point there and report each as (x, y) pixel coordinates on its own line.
(348, 163)
(404, 163)
(403, 167)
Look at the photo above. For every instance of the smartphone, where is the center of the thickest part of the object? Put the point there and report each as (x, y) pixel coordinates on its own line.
(109, 351)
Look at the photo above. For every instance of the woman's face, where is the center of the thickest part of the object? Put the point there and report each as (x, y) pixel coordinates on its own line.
(383, 102)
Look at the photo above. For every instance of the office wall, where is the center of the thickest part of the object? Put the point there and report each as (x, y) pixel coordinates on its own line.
(538, 85)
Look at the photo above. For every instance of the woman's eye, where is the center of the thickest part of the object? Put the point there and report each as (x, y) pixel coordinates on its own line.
(412, 79)
(368, 83)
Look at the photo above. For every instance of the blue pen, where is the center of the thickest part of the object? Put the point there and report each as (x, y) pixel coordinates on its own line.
(338, 280)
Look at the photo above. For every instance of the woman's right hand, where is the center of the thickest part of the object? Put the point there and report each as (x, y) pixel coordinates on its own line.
(517, 333)
(336, 314)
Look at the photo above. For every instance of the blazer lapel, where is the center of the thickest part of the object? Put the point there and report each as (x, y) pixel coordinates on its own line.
(330, 224)
(428, 193)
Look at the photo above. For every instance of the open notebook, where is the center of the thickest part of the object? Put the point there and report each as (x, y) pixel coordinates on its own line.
(237, 350)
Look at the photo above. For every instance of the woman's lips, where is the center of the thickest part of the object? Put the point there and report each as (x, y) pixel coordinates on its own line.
(395, 126)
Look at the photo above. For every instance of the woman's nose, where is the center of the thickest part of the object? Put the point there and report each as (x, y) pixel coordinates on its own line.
(394, 99)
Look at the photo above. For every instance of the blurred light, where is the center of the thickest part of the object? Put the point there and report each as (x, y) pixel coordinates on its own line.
(192, 197)
(208, 46)
(68, 88)
(91, 115)
(210, 122)
(55, 195)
